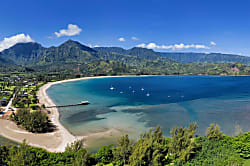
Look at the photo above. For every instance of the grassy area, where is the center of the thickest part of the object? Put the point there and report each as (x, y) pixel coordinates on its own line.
(247, 162)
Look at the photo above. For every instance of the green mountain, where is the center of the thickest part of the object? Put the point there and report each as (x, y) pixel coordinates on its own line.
(149, 54)
(23, 53)
(216, 58)
(136, 52)
(73, 57)
(69, 57)
(34, 54)
(68, 52)
(5, 61)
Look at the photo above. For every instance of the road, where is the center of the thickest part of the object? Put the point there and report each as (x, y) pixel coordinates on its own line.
(8, 106)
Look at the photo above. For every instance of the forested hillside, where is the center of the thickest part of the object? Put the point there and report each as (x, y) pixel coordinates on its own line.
(216, 58)
(73, 57)
(188, 57)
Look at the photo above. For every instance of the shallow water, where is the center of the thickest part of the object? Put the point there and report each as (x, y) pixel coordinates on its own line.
(166, 100)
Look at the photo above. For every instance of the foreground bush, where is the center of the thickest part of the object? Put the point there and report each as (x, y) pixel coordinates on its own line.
(152, 149)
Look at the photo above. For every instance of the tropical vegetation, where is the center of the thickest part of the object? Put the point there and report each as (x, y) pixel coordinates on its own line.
(151, 149)
(32, 121)
(73, 58)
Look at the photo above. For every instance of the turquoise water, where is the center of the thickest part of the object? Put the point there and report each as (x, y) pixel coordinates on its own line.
(166, 100)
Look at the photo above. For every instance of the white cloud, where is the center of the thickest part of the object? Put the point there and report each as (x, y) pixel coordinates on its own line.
(173, 47)
(90, 45)
(71, 31)
(134, 38)
(212, 43)
(11, 41)
(121, 39)
(93, 46)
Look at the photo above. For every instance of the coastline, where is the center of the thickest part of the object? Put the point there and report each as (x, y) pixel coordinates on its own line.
(65, 136)
(57, 140)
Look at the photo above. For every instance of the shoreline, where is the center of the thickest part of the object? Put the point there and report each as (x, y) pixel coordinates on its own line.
(57, 140)
(66, 136)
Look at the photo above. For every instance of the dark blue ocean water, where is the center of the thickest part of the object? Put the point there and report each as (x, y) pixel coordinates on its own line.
(139, 103)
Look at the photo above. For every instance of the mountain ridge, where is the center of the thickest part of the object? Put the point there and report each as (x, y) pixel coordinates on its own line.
(23, 53)
(74, 57)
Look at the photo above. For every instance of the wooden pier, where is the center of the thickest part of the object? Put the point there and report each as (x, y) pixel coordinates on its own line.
(69, 105)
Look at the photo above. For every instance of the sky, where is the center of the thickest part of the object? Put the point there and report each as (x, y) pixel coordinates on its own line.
(163, 25)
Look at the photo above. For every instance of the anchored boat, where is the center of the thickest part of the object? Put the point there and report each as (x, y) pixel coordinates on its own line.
(84, 102)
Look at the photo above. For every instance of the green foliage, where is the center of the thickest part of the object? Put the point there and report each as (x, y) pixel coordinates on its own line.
(241, 145)
(34, 106)
(247, 162)
(22, 156)
(74, 146)
(123, 149)
(213, 132)
(4, 151)
(215, 153)
(150, 149)
(105, 155)
(35, 121)
(82, 157)
(182, 145)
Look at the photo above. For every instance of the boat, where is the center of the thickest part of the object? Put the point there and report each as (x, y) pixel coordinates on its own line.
(111, 88)
(84, 102)
(121, 92)
(147, 94)
(142, 89)
(133, 91)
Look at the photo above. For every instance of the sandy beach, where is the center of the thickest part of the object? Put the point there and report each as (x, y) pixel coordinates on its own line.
(55, 141)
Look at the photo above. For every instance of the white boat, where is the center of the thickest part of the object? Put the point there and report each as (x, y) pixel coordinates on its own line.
(147, 94)
(133, 91)
(121, 92)
(142, 89)
(111, 88)
(84, 102)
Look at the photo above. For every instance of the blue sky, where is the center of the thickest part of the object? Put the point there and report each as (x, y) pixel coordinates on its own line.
(164, 25)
